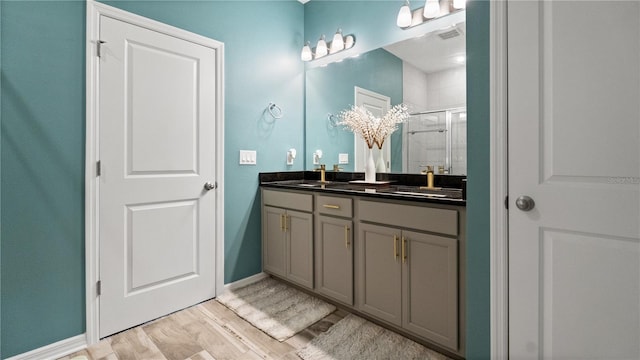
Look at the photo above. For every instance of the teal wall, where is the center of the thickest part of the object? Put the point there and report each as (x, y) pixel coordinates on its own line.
(478, 123)
(0, 182)
(373, 23)
(42, 139)
(42, 168)
(330, 90)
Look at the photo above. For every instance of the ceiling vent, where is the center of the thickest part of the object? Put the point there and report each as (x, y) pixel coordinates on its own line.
(449, 34)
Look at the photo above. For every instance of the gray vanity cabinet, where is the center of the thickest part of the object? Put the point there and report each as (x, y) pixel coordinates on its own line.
(274, 241)
(334, 248)
(410, 278)
(380, 285)
(393, 260)
(287, 236)
(430, 283)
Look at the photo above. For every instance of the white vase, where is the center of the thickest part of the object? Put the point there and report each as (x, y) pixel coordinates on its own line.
(370, 168)
(381, 167)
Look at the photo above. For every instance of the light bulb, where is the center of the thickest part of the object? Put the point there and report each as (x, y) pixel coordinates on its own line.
(404, 16)
(459, 4)
(431, 9)
(337, 43)
(321, 48)
(306, 52)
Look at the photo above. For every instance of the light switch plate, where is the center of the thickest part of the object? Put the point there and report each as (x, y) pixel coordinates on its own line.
(343, 158)
(248, 157)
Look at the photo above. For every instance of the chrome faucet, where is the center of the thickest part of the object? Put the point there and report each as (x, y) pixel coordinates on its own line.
(322, 169)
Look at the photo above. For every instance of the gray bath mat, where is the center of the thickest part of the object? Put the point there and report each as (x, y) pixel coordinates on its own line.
(276, 308)
(355, 338)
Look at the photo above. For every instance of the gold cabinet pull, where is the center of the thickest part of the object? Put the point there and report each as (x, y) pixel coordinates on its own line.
(346, 236)
(329, 206)
(404, 250)
(286, 228)
(395, 247)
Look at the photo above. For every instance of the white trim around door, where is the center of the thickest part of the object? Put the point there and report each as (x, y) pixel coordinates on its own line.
(94, 11)
(498, 181)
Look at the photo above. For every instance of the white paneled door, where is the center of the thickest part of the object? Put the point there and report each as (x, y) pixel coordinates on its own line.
(574, 115)
(378, 105)
(157, 136)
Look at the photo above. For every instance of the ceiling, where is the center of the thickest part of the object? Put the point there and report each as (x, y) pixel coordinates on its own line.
(431, 53)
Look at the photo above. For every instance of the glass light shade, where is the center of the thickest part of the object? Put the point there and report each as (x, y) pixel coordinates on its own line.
(306, 52)
(404, 16)
(431, 9)
(349, 41)
(337, 43)
(321, 48)
(459, 4)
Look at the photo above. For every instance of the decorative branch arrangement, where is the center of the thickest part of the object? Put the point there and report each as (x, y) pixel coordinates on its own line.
(372, 129)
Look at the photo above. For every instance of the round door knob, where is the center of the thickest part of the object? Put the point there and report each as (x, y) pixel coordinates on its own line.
(209, 186)
(525, 203)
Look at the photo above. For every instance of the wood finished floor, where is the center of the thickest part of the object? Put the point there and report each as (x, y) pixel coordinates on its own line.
(206, 331)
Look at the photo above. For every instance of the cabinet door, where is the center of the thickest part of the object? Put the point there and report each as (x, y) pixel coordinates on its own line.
(273, 241)
(299, 227)
(380, 285)
(430, 282)
(334, 258)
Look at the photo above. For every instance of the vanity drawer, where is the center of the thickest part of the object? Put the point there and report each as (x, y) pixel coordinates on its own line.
(289, 200)
(334, 205)
(442, 221)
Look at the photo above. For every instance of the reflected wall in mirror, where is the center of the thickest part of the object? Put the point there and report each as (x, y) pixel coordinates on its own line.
(427, 73)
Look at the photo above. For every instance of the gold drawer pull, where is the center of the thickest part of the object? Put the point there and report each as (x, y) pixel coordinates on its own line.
(404, 250)
(331, 206)
(346, 237)
(281, 223)
(395, 247)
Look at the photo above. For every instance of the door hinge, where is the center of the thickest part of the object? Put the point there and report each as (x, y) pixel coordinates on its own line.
(99, 287)
(506, 202)
(99, 47)
(98, 168)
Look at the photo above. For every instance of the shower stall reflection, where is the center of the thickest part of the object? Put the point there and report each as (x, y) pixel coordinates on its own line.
(438, 139)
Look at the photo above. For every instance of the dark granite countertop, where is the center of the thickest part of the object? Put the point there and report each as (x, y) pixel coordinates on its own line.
(452, 188)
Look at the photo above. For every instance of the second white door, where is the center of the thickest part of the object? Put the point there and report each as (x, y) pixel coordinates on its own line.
(157, 133)
(574, 149)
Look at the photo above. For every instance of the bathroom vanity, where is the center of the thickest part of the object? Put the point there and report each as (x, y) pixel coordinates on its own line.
(392, 253)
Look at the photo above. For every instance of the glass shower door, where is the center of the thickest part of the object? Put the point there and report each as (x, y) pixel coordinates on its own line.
(438, 139)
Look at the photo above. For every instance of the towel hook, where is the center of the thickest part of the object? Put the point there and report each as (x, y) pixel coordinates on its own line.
(274, 110)
(332, 120)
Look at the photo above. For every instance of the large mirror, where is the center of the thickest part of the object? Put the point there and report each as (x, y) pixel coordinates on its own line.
(427, 73)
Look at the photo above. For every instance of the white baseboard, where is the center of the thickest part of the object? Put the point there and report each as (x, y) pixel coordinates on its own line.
(246, 281)
(55, 350)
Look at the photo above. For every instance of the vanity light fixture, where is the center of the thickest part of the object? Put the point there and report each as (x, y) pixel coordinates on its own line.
(431, 9)
(459, 4)
(404, 15)
(322, 49)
